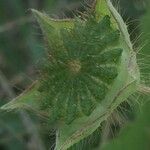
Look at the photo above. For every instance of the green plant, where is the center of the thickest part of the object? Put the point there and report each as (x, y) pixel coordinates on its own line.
(90, 69)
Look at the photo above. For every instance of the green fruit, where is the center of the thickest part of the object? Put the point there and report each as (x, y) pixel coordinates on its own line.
(81, 72)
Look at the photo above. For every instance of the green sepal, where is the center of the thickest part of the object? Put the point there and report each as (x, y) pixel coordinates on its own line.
(51, 28)
(105, 7)
(101, 9)
(121, 25)
(46, 23)
(27, 100)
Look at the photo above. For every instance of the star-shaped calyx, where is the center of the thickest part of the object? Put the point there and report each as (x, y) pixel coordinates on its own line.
(80, 68)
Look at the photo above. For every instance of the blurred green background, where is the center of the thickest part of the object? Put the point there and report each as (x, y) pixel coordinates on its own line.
(21, 48)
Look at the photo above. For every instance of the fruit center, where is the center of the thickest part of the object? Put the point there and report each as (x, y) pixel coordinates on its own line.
(74, 66)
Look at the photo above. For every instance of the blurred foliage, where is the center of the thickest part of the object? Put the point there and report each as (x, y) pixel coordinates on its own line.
(136, 135)
(21, 49)
(145, 51)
